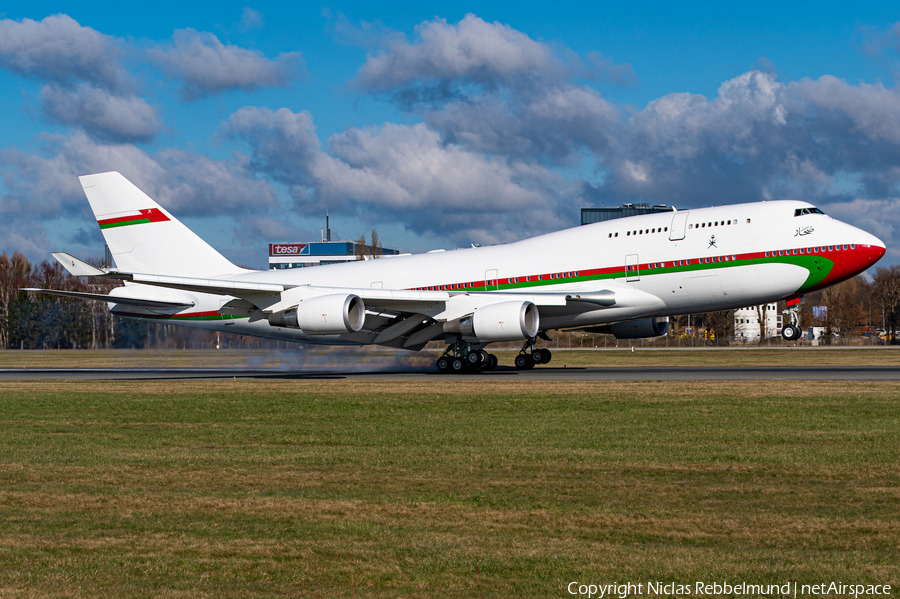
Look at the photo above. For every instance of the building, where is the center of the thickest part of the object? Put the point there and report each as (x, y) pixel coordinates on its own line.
(746, 322)
(596, 215)
(315, 253)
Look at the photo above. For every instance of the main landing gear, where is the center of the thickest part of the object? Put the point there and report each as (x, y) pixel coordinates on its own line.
(527, 361)
(463, 357)
(792, 331)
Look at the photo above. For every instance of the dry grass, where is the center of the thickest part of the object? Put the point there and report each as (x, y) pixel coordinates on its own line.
(411, 489)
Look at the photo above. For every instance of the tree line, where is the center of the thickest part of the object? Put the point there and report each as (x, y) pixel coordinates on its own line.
(36, 321)
(855, 306)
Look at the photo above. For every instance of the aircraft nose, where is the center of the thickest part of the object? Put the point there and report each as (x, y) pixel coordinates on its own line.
(876, 247)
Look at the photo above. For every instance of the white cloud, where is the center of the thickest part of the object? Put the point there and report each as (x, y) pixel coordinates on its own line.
(554, 125)
(43, 188)
(758, 138)
(403, 173)
(472, 49)
(59, 50)
(103, 115)
(207, 66)
(251, 19)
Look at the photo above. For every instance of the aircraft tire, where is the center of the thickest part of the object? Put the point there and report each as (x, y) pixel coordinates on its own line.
(458, 365)
(491, 362)
(791, 332)
(524, 362)
(538, 356)
(548, 355)
(443, 364)
(473, 358)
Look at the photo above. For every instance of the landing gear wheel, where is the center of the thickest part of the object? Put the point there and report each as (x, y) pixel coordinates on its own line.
(538, 356)
(473, 358)
(443, 364)
(791, 332)
(548, 355)
(491, 363)
(458, 365)
(524, 362)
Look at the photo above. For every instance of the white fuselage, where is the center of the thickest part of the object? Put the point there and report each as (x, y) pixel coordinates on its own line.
(657, 265)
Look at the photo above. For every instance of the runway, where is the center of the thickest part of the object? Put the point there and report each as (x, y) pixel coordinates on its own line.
(546, 373)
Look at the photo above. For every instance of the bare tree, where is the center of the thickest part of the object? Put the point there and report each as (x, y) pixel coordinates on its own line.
(376, 250)
(844, 310)
(360, 249)
(14, 272)
(886, 291)
(762, 318)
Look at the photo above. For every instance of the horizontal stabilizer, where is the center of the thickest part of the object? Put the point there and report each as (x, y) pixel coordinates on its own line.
(128, 301)
(76, 267)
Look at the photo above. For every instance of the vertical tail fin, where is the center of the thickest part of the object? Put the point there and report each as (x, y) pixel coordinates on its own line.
(143, 237)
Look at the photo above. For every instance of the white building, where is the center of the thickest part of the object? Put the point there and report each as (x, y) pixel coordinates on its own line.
(746, 322)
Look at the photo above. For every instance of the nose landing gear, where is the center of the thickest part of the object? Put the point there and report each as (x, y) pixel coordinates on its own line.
(792, 331)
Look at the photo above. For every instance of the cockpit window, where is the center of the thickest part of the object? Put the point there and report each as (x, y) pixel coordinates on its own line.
(802, 211)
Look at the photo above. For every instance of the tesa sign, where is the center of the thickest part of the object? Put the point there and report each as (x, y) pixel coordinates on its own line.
(285, 249)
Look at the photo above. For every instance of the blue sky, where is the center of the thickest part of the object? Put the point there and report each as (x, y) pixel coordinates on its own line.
(441, 124)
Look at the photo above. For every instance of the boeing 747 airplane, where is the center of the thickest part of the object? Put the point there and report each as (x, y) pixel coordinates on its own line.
(623, 276)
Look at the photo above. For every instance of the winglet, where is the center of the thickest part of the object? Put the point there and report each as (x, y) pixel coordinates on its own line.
(76, 267)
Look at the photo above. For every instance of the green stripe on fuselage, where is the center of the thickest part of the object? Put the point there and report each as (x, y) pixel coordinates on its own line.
(817, 266)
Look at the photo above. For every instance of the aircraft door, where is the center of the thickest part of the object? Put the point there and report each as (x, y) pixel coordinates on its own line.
(490, 280)
(631, 268)
(679, 224)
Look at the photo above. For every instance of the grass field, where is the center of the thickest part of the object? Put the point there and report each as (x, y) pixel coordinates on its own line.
(466, 489)
(311, 358)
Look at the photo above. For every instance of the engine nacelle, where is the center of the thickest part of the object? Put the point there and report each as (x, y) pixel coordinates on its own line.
(503, 321)
(635, 329)
(323, 315)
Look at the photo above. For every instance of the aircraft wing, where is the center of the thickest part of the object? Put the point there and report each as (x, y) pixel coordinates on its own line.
(273, 296)
(397, 317)
(102, 297)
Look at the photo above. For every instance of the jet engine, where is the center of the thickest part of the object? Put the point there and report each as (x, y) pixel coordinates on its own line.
(634, 329)
(323, 315)
(503, 321)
